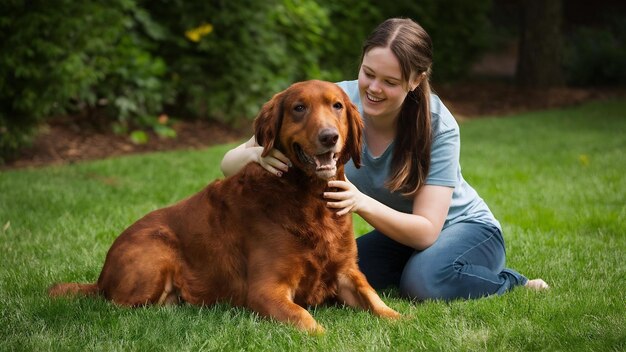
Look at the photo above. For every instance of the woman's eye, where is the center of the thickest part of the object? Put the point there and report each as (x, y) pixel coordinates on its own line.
(338, 106)
(299, 108)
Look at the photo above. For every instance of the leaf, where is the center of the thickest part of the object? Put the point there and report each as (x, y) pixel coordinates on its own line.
(119, 128)
(6, 226)
(139, 137)
(153, 29)
(165, 131)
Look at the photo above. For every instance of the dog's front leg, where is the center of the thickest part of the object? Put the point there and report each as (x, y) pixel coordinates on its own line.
(355, 291)
(276, 301)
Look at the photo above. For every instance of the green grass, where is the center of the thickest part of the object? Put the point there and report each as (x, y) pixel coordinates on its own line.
(555, 179)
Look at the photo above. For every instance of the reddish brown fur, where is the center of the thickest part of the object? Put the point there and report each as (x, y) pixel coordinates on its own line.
(253, 239)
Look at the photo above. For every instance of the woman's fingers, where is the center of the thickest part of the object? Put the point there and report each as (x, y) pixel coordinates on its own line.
(345, 211)
(273, 170)
(336, 195)
(343, 198)
(273, 165)
(343, 185)
(281, 157)
(275, 162)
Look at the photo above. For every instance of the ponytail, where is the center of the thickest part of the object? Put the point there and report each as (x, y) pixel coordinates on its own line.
(410, 162)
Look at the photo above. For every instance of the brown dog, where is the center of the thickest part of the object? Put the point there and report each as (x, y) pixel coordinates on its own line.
(253, 239)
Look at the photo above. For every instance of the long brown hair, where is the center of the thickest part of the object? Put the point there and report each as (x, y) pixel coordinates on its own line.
(412, 46)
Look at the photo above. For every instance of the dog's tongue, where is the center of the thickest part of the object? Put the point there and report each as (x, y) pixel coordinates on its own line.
(325, 161)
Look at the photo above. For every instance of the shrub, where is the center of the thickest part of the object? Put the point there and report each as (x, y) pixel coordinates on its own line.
(130, 58)
(47, 60)
(227, 58)
(352, 21)
(459, 30)
(69, 57)
(596, 56)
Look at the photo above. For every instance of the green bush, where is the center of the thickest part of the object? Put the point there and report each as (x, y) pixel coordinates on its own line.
(72, 56)
(596, 56)
(136, 58)
(237, 54)
(459, 30)
(352, 21)
(47, 59)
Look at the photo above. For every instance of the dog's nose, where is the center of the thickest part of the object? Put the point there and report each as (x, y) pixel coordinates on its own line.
(328, 137)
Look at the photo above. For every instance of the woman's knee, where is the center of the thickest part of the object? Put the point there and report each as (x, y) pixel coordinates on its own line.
(423, 282)
(381, 259)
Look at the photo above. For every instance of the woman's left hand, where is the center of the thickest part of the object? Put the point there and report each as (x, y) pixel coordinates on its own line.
(347, 198)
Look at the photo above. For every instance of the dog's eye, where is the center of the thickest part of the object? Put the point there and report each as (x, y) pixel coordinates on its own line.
(338, 106)
(299, 108)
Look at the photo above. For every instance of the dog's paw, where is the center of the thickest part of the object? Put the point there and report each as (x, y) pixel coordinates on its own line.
(388, 313)
(318, 330)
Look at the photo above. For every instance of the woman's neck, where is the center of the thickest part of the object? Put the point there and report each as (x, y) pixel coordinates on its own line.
(381, 127)
(379, 134)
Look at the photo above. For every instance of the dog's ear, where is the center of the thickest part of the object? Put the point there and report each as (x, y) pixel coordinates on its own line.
(268, 122)
(355, 124)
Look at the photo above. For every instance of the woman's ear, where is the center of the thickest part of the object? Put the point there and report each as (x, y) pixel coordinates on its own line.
(417, 81)
(267, 123)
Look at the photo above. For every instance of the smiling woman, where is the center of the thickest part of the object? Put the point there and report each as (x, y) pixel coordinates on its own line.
(383, 89)
(432, 230)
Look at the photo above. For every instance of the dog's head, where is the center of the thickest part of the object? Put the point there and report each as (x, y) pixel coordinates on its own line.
(314, 124)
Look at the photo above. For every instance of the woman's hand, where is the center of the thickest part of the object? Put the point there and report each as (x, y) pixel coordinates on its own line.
(348, 199)
(275, 161)
(235, 159)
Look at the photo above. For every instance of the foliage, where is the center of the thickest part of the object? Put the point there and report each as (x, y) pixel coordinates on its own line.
(73, 56)
(459, 30)
(559, 194)
(248, 50)
(352, 21)
(131, 60)
(596, 56)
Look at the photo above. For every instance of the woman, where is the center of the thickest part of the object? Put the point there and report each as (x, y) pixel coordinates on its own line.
(433, 236)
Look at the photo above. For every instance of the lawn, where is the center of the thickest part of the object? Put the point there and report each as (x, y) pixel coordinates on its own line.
(555, 179)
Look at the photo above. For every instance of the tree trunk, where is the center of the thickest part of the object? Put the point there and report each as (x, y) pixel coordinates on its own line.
(541, 44)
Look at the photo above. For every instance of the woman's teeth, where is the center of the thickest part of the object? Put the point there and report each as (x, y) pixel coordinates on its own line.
(374, 99)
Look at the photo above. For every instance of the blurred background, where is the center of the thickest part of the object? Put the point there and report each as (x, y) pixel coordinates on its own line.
(87, 79)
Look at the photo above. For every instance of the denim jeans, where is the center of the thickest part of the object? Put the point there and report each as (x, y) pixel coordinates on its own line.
(466, 261)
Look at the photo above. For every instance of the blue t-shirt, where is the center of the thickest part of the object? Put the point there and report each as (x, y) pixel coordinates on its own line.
(445, 169)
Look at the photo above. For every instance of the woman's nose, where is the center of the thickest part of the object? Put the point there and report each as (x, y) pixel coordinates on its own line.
(374, 86)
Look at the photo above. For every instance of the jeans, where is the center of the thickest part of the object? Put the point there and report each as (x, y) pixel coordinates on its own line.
(466, 261)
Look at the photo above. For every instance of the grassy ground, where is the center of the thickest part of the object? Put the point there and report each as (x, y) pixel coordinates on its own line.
(555, 179)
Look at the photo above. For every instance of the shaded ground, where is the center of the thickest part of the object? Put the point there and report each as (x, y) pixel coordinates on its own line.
(69, 140)
(474, 99)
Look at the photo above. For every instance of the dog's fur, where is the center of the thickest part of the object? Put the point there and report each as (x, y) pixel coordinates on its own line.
(253, 239)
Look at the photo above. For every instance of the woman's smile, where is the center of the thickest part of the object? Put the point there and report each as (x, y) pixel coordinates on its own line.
(373, 99)
(381, 86)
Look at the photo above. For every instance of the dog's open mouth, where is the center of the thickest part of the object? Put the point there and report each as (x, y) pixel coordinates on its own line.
(325, 164)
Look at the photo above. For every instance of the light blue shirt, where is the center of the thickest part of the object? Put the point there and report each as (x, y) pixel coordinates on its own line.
(445, 169)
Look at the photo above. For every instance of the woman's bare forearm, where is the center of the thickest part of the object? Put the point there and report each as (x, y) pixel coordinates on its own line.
(238, 157)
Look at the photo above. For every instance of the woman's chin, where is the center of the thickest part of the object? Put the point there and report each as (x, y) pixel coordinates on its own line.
(372, 111)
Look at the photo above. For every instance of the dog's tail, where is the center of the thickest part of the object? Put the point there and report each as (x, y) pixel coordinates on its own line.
(72, 289)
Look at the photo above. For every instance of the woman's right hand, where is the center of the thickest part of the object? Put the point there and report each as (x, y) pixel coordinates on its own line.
(275, 161)
(235, 159)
